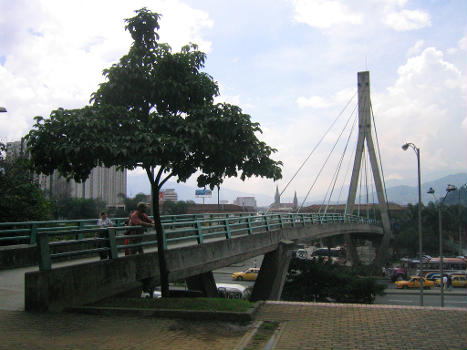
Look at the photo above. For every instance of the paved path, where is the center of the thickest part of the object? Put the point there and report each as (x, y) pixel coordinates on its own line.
(367, 327)
(302, 326)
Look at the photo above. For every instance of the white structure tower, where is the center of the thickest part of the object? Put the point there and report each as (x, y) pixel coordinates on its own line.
(364, 134)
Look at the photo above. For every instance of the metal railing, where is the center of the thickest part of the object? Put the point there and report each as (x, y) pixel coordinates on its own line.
(226, 226)
(26, 232)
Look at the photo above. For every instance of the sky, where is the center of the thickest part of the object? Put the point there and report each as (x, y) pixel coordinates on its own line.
(290, 64)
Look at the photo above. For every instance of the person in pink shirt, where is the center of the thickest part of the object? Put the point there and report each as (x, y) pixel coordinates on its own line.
(138, 218)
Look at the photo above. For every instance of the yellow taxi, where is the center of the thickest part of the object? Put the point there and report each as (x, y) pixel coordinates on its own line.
(459, 281)
(456, 281)
(414, 282)
(247, 275)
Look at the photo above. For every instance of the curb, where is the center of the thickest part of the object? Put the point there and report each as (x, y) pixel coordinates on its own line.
(199, 315)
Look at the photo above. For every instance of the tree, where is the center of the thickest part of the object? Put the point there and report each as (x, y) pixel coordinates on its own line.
(174, 208)
(314, 280)
(21, 199)
(78, 208)
(155, 111)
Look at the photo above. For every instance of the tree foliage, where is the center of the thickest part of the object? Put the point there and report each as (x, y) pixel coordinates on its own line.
(174, 208)
(405, 227)
(313, 280)
(78, 208)
(155, 111)
(21, 199)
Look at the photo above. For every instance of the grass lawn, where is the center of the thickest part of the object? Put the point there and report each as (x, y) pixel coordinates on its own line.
(207, 304)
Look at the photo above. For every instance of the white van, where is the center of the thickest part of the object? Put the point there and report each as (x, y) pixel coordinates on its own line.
(232, 291)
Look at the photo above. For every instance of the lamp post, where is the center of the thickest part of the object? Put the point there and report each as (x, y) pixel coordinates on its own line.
(405, 147)
(463, 187)
(431, 191)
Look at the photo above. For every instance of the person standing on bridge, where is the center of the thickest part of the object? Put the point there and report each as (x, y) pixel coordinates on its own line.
(139, 218)
(103, 222)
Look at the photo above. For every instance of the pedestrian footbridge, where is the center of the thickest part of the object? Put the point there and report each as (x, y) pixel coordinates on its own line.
(194, 247)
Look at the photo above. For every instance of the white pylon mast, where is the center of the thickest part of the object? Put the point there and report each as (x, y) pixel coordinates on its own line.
(364, 133)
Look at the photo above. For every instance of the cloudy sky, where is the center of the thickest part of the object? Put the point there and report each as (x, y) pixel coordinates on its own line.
(291, 64)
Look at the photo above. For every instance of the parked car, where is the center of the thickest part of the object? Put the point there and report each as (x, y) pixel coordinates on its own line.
(414, 282)
(233, 291)
(247, 275)
(155, 295)
(301, 254)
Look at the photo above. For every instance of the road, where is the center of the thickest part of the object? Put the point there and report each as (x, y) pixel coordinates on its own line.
(456, 298)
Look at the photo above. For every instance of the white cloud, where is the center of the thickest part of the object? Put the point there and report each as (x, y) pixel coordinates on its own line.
(55, 58)
(416, 49)
(426, 106)
(406, 20)
(324, 13)
(339, 99)
(313, 102)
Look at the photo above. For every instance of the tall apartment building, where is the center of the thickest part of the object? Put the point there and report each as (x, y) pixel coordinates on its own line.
(246, 201)
(103, 183)
(15, 149)
(169, 194)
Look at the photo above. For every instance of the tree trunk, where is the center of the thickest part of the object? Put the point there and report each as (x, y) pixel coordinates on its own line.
(164, 274)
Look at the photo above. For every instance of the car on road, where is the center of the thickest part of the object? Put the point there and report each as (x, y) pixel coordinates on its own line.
(397, 273)
(414, 282)
(459, 281)
(432, 276)
(456, 281)
(155, 294)
(233, 291)
(247, 275)
(301, 254)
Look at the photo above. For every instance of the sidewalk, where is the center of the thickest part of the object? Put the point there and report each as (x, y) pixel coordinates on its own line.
(302, 326)
(366, 327)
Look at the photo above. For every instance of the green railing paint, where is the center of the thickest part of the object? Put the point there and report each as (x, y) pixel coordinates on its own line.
(176, 229)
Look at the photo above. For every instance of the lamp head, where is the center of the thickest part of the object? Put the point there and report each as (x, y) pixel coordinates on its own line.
(451, 188)
(431, 191)
(405, 147)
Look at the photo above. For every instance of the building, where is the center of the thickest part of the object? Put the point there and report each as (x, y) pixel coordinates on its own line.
(107, 184)
(245, 202)
(15, 149)
(169, 194)
(277, 206)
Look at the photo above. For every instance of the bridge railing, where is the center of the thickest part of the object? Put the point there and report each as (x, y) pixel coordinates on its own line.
(113, 240)
(26, 232)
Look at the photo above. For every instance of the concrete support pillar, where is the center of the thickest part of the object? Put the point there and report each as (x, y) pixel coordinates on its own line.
(205, 283)
(271, 277)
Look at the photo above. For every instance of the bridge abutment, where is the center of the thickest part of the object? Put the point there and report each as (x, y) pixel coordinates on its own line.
(273, 272)
(203, 282)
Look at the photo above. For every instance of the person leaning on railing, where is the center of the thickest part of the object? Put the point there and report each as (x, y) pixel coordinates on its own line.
(138, 218)
(103, 222)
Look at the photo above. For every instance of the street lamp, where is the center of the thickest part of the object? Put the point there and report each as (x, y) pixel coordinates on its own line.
(405, 147)
(431, 191)
(463, 187)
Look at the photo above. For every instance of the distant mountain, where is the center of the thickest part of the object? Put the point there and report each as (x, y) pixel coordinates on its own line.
(409, 194)
(401, 194)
